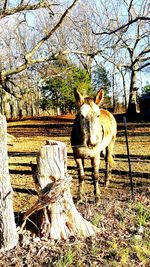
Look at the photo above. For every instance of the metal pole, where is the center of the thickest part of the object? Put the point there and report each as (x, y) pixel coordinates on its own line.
(129, 161)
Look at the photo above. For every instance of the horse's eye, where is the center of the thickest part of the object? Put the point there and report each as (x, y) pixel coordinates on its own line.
(98, 116)
(82, 117)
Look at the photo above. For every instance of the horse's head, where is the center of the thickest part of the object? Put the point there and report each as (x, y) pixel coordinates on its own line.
(89, 116)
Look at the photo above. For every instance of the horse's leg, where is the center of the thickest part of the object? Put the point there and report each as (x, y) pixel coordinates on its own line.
(80, 166)
(109, 161)
(95, 176)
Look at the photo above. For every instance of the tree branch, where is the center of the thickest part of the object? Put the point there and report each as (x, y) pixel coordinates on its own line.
(123, 26)
(143, 66)
(145, 51)
(30, 54)
(112, 61)
(28, 57)
(5, 5)
(29, 62)
(139, 57)
(20, 8)
(7, 89)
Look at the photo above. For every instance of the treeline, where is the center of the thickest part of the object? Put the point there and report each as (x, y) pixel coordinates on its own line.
(52, 93)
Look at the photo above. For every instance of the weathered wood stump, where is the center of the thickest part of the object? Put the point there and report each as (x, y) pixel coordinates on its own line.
(8, 231)
(60, 218)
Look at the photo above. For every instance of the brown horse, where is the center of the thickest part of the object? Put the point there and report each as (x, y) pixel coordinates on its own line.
(94, 131)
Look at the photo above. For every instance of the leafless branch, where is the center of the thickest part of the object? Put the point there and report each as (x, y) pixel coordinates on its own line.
(129, 8)
(20, 8)
(145, 51)
(143, 18)
(5, 5)
(139, 58)
(7, 88)
(28, 57)
(29, 61)
(137, 38)
(144, 66)
(49, 34)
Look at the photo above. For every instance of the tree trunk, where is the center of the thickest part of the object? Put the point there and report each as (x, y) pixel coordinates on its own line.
(124, 89)
(60, 218)
(8, 232)
(132, 106)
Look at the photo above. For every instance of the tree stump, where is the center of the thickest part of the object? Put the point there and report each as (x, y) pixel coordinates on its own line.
(8, 231)
(60, 219)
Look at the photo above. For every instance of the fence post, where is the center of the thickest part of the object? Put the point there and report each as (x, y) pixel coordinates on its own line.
(60, 218)
(8, 231)
(128, 153)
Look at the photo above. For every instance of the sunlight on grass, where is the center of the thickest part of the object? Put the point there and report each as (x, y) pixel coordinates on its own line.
(123, 221)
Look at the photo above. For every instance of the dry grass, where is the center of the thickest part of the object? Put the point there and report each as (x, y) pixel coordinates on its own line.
(124, 222)
(32, 134)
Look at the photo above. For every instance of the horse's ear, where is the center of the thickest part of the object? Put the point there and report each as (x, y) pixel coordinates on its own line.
(79, 98)
(99, 97)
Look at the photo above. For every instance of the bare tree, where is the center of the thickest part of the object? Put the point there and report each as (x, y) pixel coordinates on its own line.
(127, 31)
(93, 33)
(31, 53)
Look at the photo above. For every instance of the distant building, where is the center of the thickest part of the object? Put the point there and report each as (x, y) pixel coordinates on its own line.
(144, 103)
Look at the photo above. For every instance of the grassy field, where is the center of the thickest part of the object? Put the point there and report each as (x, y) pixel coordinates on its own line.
(124, 221)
